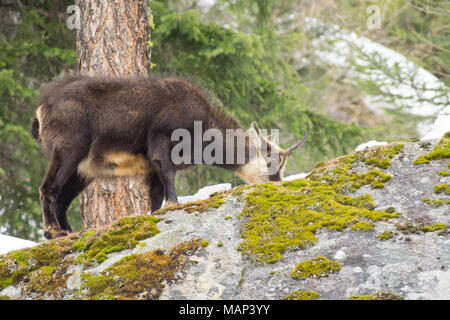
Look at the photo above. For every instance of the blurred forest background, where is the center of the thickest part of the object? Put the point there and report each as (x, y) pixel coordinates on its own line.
(258, 58)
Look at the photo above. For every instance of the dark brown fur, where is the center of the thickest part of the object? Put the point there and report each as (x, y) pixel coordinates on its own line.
(83, 116)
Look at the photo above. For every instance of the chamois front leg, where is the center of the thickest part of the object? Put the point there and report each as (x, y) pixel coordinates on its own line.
(62, 166)
(71, 189)
(156, 188)
(48, 192)
(161, 163)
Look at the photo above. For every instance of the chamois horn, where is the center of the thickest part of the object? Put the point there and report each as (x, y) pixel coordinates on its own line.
(291, 149)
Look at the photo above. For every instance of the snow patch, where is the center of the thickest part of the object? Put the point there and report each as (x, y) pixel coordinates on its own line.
(205, 192)
(415, 90)
(295, 176)
(8, 243)
(370, 144)
(440, 126)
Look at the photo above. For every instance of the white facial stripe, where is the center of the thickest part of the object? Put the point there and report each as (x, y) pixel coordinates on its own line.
(255, 171)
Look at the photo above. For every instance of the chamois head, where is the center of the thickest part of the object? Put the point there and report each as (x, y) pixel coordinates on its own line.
(269, 160)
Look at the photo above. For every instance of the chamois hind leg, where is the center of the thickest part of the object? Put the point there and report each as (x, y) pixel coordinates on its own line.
(71, 189)
(159, 157)
(156, 188)
(62, 166)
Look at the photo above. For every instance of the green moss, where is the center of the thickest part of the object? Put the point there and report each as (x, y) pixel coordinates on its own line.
(123, 234)
(219, 244)
(378, 296)
(81, 243)
(302, 295)
(442, 188)
(241, 280)
(320, 164)
(35, 263)
(295, 184)
(239, 191)
(47, 280)
(435, 203)
(434, 227)
(228, 217)
(214, 201)
(443, 173)
(408, 228)
(346, 181)
(363, 226)
(136, 274)
(421, 160)
(441, 151)
(381, 155)
(315, 268)
(101, 257)
(284, 217)
(204, 243)
(390, 210)
(386, 235)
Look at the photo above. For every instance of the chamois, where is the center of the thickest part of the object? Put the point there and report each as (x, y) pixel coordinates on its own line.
(93, 127)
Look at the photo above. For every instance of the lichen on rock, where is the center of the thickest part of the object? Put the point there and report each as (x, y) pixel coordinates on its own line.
(123, 234)
(281, 217)
(378, 296)
(355, 225)
(440, 151)
(302, 295)
(140, 276)
(316, 268)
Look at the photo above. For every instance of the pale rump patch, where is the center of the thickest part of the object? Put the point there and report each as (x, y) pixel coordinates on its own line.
(114, 164)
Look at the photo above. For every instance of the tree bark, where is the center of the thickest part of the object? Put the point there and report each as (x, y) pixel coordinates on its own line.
(112, 40)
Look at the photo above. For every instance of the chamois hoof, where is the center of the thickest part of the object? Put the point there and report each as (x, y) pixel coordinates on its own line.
(171, 203)
(53, 233)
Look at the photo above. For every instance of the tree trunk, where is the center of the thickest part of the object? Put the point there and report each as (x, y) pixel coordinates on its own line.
(112, 40)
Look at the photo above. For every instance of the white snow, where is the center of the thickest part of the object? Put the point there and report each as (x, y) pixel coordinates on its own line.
(370, 144)
(416, 90)
(205, 192)
(295, 176)
(440, 126)
(8, 243)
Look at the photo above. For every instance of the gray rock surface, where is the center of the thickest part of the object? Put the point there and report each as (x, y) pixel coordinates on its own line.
(413, 265)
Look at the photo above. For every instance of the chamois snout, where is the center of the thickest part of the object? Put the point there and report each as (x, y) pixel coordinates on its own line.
(270, 160)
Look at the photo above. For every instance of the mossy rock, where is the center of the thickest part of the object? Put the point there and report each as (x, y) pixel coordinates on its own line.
(386, 235)
(42, 269)
(316, 268)
(281, 217)
(213, 202)
(33, 264)
(140, 276)
(123, 234)
(378, 296)
(302, 295)
(440, 151)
